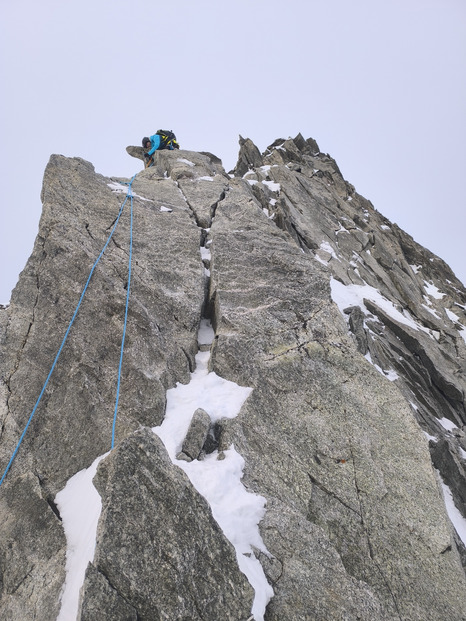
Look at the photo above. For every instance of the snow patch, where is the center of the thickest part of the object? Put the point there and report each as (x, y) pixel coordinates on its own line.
(463, 334)
(80, 505)
(317, 258)
(326, 247)
(416, 268)
(237, 511)
(206, 334)
(163, 208)
(451, 315)
(205, 254)
(432, 290)
(431, 310)
(205, 178)
(458, 521)
(185, 161)
(354, 295)
(447, 424)
(273, 187)
(119, 188)
(390, 374)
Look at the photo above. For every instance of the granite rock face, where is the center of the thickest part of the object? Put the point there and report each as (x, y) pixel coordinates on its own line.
(345, 437)
(72, 425)
(192, 567)
(351, 336)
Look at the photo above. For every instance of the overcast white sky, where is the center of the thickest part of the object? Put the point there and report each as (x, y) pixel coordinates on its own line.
(381, 86)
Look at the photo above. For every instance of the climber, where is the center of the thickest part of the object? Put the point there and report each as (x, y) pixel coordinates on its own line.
(162, 139)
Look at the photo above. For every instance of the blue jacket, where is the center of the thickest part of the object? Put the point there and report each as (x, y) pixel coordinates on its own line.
(155, 142)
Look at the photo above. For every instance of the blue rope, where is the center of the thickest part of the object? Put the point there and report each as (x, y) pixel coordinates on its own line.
(129, 194)
(126, 314)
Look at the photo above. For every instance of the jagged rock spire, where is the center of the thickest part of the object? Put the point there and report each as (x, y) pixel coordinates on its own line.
(249, 157)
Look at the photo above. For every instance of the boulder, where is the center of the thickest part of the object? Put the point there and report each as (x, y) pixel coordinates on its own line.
(196, 435)
(158, 545)
(249, 157)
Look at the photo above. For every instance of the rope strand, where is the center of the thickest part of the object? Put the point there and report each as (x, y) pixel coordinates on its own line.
(126, 316)
(129, 195)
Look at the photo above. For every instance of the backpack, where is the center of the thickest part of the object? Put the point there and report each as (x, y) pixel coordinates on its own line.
(167, 139)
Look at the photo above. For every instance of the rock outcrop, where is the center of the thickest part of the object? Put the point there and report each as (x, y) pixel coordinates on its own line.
(192, 567)
(351, 337)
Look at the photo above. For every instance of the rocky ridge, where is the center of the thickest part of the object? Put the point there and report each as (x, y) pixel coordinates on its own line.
(351, 337)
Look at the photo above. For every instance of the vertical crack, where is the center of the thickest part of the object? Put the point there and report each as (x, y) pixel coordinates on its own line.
(88, 230)
(185, 198)
(48, 497)
(212, 209)
(205, 242)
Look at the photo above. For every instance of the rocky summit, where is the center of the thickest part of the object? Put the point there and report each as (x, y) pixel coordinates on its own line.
(289, 417)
